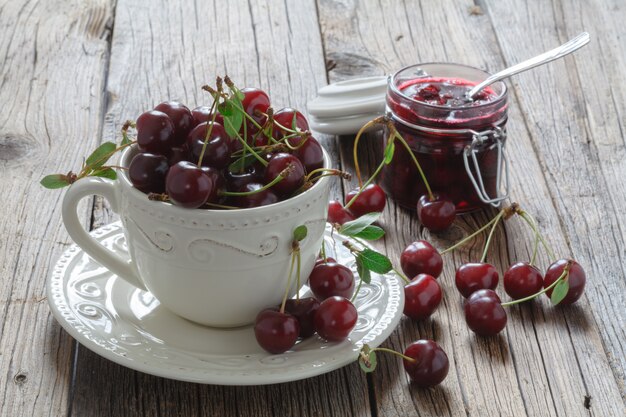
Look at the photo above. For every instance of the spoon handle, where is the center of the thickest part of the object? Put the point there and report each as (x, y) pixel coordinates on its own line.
(558, 52)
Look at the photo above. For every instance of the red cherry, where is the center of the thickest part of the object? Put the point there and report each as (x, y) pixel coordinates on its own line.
(421, 297)
(180, 116)
(335, 318)
(430, 366)
(155, 132)
(421, 258)
(522, 280)
(276, 332)
(331, 279)
(474, 276)
(484, 314)
(338, 214)
(304, 310)
(285, 117)
(218, 183)
(258, 199)
(147, 172)
(187, 185)
(436, 214)
(254, 103)
(576, 280)
(218, 148)
(203, 114)
(372, 199)
(236, 180)
(294, 179)
(309, 153)
(177, 154)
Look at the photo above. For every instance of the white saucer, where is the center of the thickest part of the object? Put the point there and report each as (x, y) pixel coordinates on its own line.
(129, 327)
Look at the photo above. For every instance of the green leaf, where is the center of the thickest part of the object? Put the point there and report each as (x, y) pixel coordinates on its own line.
(367, 359)
(300, 233)
(363, 272)
(55, 181)
(237, 92)
(105, 173)
(357, 225)
(125, 140)
(226, 108)
(101, 155)
(374, 261)
(242, 162)
(233, 118)
(370, 233)
(294, 125)
(559, 292)
(389, 151)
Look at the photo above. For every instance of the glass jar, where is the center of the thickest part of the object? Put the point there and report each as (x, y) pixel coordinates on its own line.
(459, 146)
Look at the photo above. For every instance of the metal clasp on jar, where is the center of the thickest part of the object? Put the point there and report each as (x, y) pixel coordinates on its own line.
(481, 140)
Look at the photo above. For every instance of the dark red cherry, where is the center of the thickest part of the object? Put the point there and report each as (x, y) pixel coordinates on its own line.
(260, 198)
(294, 179)
(218, 183)
(155, 132)
(335, 318)
(372, 199)
(285, 117)
(484, 314)
(421, 257)
(203, 114)
(187, 185)
(236, 180)
(218, 148)
(522, 280)
(178, 154)
(304, 310)
(147, 172)
(276, 332)
(430, 366)
(331, 279)
(474, 276)
(436, 214)
(180, 116)
(338, 214)
(576, 280)
(309, 153)
(421, 297)
(255, 102)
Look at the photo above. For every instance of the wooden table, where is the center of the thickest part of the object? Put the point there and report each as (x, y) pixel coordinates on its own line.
(72, 72)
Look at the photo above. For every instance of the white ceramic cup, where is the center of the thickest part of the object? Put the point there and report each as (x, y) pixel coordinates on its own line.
(214, 267)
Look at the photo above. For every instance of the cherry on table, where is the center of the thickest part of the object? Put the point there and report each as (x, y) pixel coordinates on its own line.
(309, 153)
(484, 314)
(421, 257)
(474, 276)
(522, 280)
(335, 318)
(155, 132)
(331, 279)
(202, 114)
(436, 214)
(218, 148)
(422, 296)
(285, 117)
(430, 366)
(294, 179)
(147, 172)
(337, 214)
(276, 332)
(304, 310)
(187, 185)
(181, 117)
(372, 199)
(576, 280)
(259, 198)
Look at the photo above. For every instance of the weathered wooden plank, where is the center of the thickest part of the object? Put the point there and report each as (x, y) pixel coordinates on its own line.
(547, 360)
(579, 126)
(167, 51)
(46, 125)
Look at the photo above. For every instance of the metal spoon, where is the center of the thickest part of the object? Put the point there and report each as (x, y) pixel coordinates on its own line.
(558, 52)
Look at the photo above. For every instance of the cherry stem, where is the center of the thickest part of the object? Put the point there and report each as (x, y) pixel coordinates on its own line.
(493, 229)
(323, 250)
(562, 277)
(533, 224)
(276, 180)
(355, 147)
(293, 261)
(535, 248)
(381, 349)
(208, 132)
(329, 171)
(368, 182)
(397, 135)
(358, 288)
(473, 235)
(401, 275)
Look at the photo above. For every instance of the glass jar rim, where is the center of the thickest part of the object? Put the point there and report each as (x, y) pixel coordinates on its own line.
(395, 89)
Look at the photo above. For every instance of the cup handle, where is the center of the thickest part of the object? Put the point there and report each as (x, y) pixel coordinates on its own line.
(86, 187)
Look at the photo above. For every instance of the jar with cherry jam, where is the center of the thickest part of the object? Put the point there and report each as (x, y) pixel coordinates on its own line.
(458, 142)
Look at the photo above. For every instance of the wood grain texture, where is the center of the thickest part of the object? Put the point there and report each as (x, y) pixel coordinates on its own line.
(173, 49)
(548, 359)
(46, 126)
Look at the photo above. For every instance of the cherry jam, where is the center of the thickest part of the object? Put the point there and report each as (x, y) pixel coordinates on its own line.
(429, 107)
